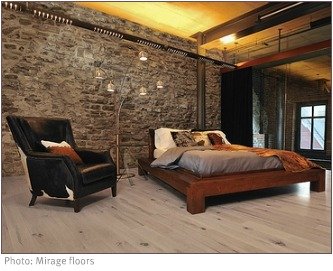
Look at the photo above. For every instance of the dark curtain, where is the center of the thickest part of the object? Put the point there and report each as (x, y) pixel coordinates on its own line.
(236, 106)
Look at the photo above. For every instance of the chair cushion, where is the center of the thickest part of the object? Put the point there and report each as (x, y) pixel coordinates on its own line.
(68, 151)
(95, 172)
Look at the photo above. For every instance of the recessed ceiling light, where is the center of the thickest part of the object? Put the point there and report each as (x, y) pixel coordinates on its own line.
(228, 39)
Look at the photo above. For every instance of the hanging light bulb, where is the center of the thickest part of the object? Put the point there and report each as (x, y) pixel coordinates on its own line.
(143, 91)
(159, 84)
(111, 87)
(143, 56)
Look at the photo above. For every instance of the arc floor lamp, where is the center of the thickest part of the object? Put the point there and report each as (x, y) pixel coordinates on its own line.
(101, 74)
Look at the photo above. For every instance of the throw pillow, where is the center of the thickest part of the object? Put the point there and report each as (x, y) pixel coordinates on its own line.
(198, 137)
(183, 139)
(68, 151)
(201, 143)
(163, 138)
(220, 133)
(215, 139)
(47, 144)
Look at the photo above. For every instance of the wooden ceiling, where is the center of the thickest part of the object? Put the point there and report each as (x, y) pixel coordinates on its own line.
(182, 19)
(185, 19)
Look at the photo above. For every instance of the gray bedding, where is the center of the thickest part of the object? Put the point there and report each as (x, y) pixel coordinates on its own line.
(204, 161)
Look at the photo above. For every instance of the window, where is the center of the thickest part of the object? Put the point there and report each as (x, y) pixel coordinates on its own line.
(311, 127)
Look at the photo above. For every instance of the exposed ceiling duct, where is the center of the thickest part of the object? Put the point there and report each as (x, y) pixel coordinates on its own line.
(254, 46)
(263, 18)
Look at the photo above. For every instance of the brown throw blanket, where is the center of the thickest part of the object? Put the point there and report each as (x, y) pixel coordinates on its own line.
(291, 161)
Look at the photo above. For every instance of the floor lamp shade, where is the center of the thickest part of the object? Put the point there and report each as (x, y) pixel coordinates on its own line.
(143, 56)
(99, 74)
(111, 87)
(143, 91)
(159, 84)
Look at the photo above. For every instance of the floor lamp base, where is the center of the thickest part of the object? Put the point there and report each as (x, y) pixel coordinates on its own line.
(127, 176)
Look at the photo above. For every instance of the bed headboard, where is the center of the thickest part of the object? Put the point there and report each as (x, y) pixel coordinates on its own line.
(151, 143)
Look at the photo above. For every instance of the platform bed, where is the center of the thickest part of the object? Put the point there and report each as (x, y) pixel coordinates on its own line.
(196, 188)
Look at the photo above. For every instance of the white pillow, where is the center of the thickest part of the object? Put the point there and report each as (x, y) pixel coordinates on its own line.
(220, 133)
(48, 144)
(163, 138)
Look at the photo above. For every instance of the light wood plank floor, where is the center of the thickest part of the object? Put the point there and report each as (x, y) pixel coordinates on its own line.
(147, 216)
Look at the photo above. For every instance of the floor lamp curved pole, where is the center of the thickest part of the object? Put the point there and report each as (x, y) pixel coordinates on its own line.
(142, 57)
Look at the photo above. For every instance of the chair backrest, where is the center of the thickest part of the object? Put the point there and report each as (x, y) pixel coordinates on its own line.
(29, 131)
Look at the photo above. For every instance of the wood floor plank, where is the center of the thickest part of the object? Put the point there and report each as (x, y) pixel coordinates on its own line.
(148, 216)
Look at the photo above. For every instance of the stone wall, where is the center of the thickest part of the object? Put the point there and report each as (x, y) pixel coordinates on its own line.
(213, 92)
(47, 70)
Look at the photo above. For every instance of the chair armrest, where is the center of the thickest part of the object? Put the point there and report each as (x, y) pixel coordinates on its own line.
(93, 156)
(46, 155)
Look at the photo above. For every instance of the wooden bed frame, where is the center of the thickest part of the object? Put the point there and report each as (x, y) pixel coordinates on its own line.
(196, 188)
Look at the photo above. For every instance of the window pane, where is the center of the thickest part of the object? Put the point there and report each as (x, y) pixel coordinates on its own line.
(306, 111)
(305, 140)
(319, 110)
(318, 133)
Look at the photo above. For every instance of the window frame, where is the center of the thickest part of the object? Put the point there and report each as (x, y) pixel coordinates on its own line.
(310, 152)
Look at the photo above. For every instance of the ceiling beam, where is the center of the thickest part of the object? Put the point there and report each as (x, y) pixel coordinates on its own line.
(263, 18)
(297, 54)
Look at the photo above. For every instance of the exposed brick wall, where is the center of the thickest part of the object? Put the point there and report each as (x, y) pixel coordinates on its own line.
(301, 92)
(298, 90)
(271, 84)
(47, 70)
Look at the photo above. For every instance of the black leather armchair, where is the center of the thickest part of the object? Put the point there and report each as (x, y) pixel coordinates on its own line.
(54, 175)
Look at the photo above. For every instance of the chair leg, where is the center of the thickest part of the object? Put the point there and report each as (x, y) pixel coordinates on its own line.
(33, 200)
(114, 190)
(76, 205)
